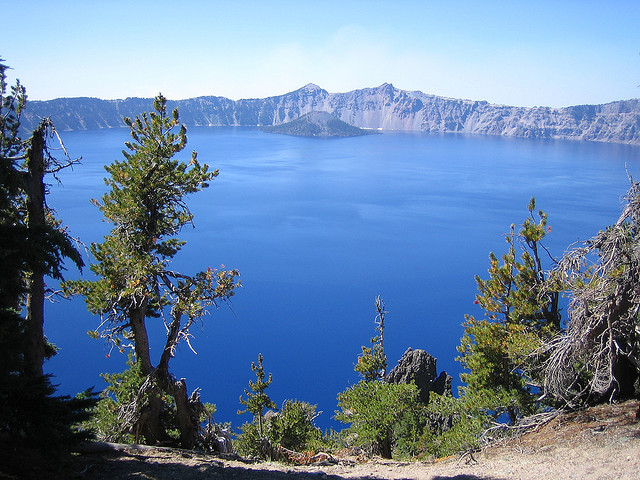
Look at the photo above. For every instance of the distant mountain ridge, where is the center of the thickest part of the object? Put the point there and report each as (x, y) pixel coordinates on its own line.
(383, 108)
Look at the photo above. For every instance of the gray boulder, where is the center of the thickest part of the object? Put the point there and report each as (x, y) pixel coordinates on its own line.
(417, 366)
(442, 384)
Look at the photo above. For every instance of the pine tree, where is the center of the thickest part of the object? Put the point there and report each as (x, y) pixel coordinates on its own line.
(147, 207)
(521, 311)
(257, 400)
(372, 362)
(32, 245)
(375, 410)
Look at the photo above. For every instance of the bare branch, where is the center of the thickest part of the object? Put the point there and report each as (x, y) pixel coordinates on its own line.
(602, 339)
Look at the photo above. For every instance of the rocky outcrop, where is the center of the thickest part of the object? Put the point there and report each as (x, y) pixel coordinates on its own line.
(381, 108)
(417, 366)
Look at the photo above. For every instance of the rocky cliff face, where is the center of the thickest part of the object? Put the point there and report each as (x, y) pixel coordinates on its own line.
(383, 108)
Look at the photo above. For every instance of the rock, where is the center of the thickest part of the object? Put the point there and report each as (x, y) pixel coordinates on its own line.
(223, 442)
(442, 384)
(417, 366)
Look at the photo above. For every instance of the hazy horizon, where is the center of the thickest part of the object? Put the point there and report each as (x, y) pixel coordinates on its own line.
(302, 86)
(552, 54)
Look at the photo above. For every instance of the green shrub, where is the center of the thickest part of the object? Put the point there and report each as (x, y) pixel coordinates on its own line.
(292, 428)
(376, 411)
(454, 425)
(249, 442)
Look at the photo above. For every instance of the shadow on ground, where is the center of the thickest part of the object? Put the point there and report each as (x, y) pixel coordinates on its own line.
(116, 467)
(464, 477)
(24, 465)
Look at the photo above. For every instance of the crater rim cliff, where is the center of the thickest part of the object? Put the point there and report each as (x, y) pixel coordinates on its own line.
(385, 108)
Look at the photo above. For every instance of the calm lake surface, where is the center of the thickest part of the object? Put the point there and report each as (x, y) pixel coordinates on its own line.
(319, 228)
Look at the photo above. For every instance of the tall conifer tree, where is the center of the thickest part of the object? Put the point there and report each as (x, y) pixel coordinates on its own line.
(521, 311)
(32, 246)
(147, 207)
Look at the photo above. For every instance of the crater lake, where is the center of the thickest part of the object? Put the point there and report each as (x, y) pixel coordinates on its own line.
(318, 228)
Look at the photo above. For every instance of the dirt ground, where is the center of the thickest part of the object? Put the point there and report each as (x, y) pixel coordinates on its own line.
(600, 443)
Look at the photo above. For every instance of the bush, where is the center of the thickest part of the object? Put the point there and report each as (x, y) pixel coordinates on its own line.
(291, 428)
(376, 412)
(249, 442)
(454, 425)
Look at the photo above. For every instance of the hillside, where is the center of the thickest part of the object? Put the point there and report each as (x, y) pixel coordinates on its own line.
(317, 124)
(599, 443)
(381, 108)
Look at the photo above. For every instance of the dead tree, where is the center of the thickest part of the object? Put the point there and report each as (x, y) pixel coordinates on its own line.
(48, 242)
(36, 221)
(597, 358)
(380, 328)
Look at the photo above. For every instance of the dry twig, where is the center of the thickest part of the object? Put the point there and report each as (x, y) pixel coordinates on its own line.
(599, 352)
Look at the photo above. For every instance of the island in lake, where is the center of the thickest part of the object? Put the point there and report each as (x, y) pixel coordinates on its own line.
(317, 124)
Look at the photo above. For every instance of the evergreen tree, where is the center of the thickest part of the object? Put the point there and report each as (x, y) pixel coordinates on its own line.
(521, 311)
(32, 245)
(372, 362)
(375, 411)
(293, 428)
(12, 240)
(275, 437)
(147, 207)
(257, 400)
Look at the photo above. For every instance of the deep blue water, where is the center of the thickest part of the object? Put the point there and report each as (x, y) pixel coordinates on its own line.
(319, 228)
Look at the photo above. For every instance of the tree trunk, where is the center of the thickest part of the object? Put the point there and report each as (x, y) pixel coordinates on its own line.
(188, 410)
(36, 220)
(172, 341)
(137, 317)
(513, 416)
(385, 446)
(149, 425)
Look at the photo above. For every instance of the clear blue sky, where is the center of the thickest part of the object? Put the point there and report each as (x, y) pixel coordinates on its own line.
(554, 53)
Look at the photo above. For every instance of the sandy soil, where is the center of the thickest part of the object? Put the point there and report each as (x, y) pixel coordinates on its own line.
(599, 443)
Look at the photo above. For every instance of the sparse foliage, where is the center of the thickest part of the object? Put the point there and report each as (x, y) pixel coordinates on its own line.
(257, 400)
(372, 362)
(522, 311)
